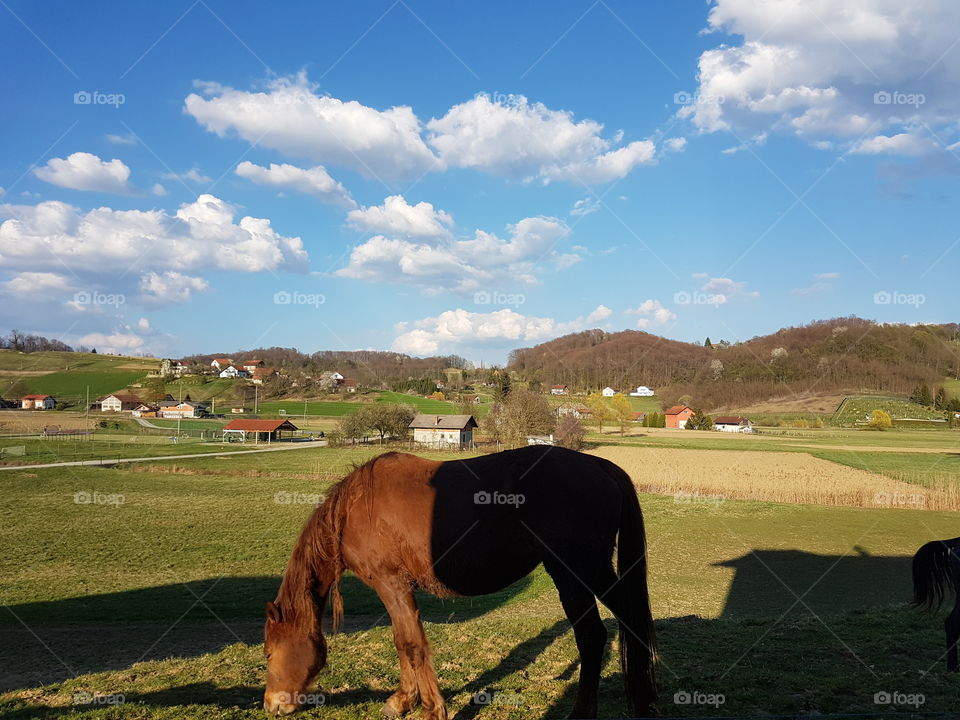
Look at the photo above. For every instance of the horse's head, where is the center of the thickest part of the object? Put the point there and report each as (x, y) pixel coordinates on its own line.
(295, 654)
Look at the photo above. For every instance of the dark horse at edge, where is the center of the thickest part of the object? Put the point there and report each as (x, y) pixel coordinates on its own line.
(468, 527)
(936, 572)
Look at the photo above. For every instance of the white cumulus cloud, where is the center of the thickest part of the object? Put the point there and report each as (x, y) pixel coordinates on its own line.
(833, 72)
(170, 287)
(484, 261)
(314, 181)
(455, 328)
(513, 137)
(85, 171)
(397, 218)
(652, 314)
(289, 116)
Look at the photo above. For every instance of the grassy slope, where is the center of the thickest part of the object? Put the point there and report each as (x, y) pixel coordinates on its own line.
(69, 374)
(99, 566)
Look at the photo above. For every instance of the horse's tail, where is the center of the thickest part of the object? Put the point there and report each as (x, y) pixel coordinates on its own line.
(638, 643)
(931, 574)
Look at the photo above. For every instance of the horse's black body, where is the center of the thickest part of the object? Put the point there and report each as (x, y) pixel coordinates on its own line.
(497, 517)
(936, 573)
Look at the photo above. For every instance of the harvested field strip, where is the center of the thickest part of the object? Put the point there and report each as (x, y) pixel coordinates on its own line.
(714, 475)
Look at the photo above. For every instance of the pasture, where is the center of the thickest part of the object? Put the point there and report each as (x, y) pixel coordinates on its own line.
(155, 598)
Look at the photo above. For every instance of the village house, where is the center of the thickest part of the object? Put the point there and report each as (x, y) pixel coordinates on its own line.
(559, 390)
(677, 416)
(262, 373)
(37, 402)
(349, 385)
(731, 423)
(642, 391)
(220, 363)
(181, 409)
(608, 392)
(578, 411)
(144, 411)
(257, 430)
(231, 372)
(472, 399)
(172, 368)
(251, 365)
(444, 431)
(119, 402)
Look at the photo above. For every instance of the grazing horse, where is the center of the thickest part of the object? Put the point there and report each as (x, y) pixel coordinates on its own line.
(936, 572)
(468, 527)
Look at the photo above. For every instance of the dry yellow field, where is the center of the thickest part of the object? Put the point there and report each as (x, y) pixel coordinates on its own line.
(711, 476)
(33, 421)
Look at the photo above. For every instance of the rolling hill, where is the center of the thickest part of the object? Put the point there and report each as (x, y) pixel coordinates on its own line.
(845, 355)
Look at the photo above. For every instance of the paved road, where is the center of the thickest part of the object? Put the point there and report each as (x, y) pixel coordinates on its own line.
(116, 461)
(148, 424)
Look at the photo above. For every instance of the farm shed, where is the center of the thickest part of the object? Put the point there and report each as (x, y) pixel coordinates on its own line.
(443, 430)
(677, 416)
(119, 402)
(259, 430)
(37, 402)
(731, 423)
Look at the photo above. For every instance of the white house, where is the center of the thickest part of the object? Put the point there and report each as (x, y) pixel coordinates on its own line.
(119, 402)
(443, 430)
(220, 363)
(642, 391)
(184, 409)
(37, 402)
(559, 390)
(608, 392)
(731, 423)
(231, 372)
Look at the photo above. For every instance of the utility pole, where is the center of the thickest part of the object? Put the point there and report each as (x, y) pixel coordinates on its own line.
(255, 389)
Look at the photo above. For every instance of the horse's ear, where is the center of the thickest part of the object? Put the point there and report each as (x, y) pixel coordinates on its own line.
(273, 613)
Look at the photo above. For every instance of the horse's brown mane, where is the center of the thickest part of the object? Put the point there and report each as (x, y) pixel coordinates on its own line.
(316, 563)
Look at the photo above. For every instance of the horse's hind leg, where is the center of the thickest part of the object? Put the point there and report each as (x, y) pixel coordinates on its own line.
(580, 607)
(417, 676)
(952, 627)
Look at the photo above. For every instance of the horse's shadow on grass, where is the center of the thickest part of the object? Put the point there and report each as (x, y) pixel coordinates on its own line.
(762, 599)
(49, 642)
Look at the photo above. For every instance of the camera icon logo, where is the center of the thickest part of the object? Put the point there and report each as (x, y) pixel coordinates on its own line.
(882, 297)
(682, 98)
(482, 498)
(882, 698)
(681, 298)
(282, 297)
(482, 698)
(882, 97)
(82, 98)
(682, 697)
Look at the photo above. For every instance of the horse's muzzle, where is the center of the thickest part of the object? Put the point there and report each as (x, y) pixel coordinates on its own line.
(275, 704)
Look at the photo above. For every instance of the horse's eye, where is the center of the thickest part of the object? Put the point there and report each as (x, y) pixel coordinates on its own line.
(267, 655)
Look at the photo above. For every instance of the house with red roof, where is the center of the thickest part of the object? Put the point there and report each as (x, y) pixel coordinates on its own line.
(678, 415)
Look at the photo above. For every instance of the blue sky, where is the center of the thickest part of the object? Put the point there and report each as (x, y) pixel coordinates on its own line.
(434, 178)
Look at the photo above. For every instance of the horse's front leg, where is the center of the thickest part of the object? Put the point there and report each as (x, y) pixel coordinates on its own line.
(417, 676)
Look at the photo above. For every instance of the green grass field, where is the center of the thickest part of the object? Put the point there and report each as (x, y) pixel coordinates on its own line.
(154, 591)
(71, 387)
(855, 408)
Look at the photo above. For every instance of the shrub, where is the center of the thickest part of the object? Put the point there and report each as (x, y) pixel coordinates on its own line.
(880, 420)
